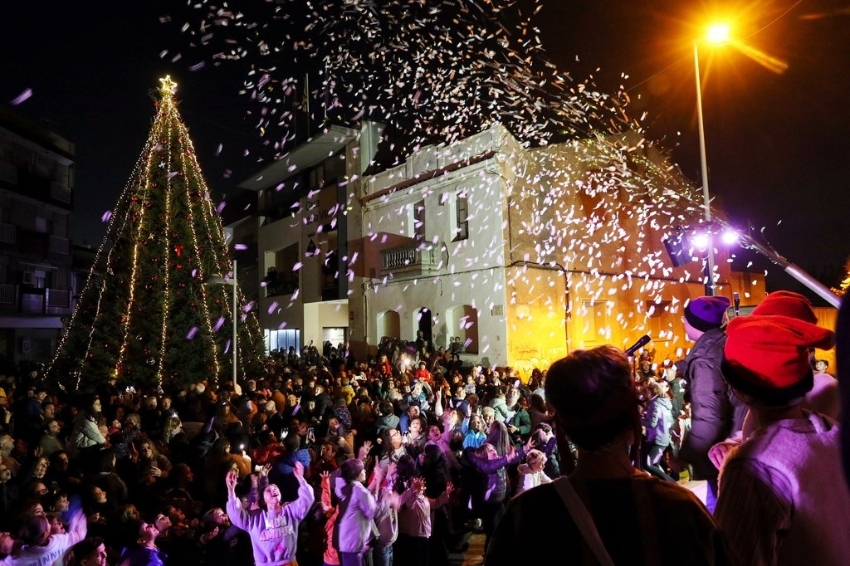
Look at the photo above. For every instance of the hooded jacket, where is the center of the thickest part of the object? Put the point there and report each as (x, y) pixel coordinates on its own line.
(356, 510)
(715, 411)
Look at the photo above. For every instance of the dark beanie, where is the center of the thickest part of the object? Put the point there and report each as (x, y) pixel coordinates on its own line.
(705, 313)
(350, 469)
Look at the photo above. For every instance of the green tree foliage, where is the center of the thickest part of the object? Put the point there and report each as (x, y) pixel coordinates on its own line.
(145, 314)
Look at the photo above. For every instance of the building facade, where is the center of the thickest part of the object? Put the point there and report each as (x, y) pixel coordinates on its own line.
(36, 275)
(525, 254)
(521, 254)
(302, 224)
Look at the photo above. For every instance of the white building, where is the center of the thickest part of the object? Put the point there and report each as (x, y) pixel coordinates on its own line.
(303, 223)
(522, 253)
(527, 253)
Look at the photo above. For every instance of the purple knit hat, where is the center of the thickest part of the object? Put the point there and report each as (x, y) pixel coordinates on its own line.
(705, 313)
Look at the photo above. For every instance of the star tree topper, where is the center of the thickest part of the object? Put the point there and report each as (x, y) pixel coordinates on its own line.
(167, 86)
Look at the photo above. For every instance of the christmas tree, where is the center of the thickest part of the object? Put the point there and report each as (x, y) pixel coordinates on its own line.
(147, 314)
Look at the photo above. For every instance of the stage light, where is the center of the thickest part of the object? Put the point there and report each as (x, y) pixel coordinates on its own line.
(729, 237)
(700, 240)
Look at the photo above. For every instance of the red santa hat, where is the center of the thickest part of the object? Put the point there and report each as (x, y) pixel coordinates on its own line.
(787, 303)
(767, 357)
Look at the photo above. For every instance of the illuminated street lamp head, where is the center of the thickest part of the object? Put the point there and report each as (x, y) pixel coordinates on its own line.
(718, 34)
(167, 86)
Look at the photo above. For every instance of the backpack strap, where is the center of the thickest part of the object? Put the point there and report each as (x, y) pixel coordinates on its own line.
(583, 520)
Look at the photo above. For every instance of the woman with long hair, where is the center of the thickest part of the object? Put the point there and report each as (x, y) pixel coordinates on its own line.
(499, 438)
(491, 460)
(538, 411)
(86, 436)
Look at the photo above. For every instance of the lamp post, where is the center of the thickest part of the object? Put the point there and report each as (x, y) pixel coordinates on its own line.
(219, 280)
(717, 34)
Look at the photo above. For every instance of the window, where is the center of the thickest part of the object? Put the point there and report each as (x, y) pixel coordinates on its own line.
(462, 219)
(419, 220)
(283, 339)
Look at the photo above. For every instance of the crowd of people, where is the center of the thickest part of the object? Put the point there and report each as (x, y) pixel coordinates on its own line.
(327, 460)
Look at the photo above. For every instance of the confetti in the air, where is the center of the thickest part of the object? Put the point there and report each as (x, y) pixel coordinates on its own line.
(591, 194)
(21, 98)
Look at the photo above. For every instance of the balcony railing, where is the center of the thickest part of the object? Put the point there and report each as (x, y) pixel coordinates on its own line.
(59, 245)
(410, 260)
(7, 294)
(8, 233)
(60, 193)
(8, 173)
(58, 298)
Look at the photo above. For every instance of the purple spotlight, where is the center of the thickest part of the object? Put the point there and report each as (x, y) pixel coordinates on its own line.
(700, 240)
(729, 237)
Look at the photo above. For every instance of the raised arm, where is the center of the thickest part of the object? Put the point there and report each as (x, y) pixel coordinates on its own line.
(326, 491)
(78, 526)
(306, 496)
(239, 517)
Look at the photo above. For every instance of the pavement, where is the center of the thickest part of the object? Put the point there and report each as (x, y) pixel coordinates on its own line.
(473, 556)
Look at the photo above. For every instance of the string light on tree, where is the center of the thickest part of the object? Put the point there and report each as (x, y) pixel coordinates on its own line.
(144, 315)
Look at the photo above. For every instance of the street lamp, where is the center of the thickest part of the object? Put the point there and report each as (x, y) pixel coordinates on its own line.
(219, 280)
(717, 34)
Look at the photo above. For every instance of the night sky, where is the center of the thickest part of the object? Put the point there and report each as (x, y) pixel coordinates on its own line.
(777, 143)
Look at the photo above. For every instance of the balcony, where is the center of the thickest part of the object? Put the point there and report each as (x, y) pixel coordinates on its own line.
(42, 301)
(282, 285)
(8, 173)
(58, 298)
(410, 261)
(8, 233)
(7, 294)
(59, 245)
(60, 193)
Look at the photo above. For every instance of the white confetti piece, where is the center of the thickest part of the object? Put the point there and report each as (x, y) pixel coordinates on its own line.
(21, 98)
